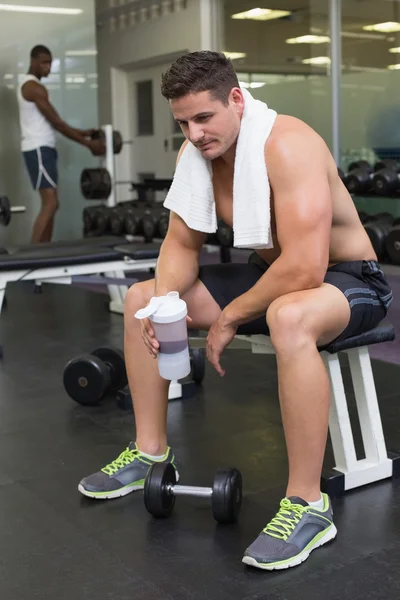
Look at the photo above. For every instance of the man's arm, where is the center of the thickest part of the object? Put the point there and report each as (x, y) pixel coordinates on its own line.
(303, 213)
(178, 263)
(34, 92)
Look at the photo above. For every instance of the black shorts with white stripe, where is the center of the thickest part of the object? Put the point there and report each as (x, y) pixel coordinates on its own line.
(42, 167)
(362, 282)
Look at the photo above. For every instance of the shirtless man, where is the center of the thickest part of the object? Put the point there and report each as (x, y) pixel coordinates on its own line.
(318, 283)
(39, 121)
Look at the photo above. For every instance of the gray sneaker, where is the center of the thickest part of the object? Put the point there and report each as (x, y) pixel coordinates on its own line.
(123, 476)
(293, 533)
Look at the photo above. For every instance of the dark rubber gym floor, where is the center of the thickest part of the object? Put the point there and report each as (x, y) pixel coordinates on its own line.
(55, 544)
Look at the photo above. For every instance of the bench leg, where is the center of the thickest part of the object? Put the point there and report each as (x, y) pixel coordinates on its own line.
(351, 472)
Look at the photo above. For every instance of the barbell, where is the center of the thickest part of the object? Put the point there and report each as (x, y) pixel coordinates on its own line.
(6, 210)
(96, 184)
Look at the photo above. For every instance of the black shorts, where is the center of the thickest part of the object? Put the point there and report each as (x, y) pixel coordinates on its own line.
(362, 282)
(42, 167)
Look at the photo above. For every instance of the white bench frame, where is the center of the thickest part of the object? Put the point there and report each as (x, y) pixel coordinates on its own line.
(376, 465)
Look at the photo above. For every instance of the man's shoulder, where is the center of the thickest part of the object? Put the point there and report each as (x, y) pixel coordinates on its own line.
(291, 134)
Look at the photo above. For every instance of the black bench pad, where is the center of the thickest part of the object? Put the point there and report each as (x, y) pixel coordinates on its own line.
(384, 332)
(139, 251)
(107, 241)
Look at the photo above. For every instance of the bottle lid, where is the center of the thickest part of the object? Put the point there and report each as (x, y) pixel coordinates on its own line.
(164, 309)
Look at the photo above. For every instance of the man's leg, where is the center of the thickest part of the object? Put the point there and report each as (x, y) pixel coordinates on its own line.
(150, 397)
(298, 323)
(43, 226)
(149, 390)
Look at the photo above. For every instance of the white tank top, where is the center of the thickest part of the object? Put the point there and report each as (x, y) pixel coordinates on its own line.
(36, 131)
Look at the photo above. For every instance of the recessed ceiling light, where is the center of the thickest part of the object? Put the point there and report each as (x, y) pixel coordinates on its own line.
(317, 60)
(261, 14)
(235, 55)
(50, 10)
(309, 39)
(387, 27)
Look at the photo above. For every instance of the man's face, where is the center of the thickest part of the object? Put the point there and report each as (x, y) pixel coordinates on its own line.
(207, 123)
(42, 64)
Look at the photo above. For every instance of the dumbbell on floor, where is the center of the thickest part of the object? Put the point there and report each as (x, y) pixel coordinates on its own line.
(160, 491)
(89, 377)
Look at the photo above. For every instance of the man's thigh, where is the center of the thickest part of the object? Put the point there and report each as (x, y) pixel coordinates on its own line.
(367, 292)
(225, 282)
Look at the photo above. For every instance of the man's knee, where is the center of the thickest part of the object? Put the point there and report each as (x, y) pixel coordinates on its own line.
(287, 324)
(138, 296)
(50, 201)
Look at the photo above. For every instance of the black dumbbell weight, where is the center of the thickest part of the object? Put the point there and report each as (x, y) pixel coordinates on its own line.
(163, 223)
(95, 184)
(378, 228)
(161, 490)
(117, 139)
(224, 235)
(198, 364)
(88, 219)
(386, 179)
(393, 244)
(130, 220)
(359, 177)
(89, 377)
(147, 225)
(101, 220)
(116, 220)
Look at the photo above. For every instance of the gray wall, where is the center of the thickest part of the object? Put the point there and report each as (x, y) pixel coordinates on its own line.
(73, 91)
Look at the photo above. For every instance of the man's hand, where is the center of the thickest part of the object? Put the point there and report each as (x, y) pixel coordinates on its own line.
(97, 147)
(219, 337)
(87, 132)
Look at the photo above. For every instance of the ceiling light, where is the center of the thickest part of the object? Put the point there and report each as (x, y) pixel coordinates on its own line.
(387, 27)
(261, 14)
(235, 55)
(50, 10)
(317, 60)
(81, 53)
(393, 67)
(309, 39)
(395, 50)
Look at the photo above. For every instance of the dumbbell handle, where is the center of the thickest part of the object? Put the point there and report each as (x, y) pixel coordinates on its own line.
(18, 209)
(190, 490)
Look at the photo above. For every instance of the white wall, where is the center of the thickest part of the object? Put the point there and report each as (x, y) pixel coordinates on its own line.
(73, 91)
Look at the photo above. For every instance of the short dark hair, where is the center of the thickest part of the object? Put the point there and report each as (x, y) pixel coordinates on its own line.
(38, 50)
(200, 72)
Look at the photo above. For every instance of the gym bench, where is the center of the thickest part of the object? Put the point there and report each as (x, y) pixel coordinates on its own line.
(351, 472)
(74, 263)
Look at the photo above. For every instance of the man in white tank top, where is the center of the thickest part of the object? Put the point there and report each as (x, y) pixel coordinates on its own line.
(39, 121)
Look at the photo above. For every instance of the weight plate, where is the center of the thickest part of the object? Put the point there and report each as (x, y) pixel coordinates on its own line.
(95, 184)
(148, 227)
(393, 244)
(86, 379)
(117, 142)
(158, 499)
(227, 495)
(5, 211)
(198, 363)
(163, 223)
(115, 361)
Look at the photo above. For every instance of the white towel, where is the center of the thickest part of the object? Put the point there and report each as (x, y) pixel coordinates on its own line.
(191, 194)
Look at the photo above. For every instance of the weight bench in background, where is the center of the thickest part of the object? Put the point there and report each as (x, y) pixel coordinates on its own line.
(349, 472)
(66, 265)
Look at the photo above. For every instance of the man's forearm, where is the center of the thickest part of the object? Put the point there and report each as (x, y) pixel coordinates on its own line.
(73, 134)
(177, 269)
(280, 279)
